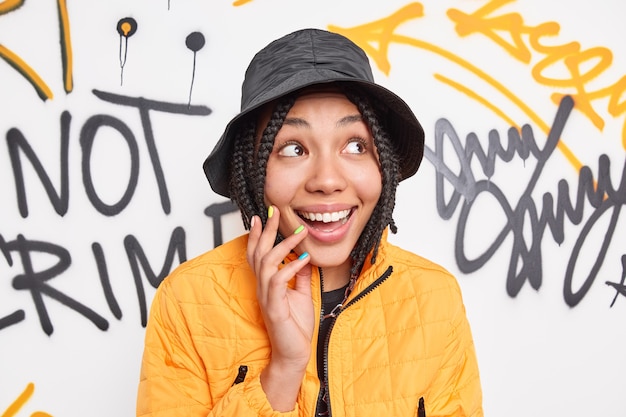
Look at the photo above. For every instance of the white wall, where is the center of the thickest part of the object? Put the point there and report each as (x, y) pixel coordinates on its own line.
(71, 346)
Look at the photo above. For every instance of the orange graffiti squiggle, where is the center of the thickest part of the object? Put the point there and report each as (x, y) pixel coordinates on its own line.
(20, 401)
(479, 98)
(381, 32)
(583, 66)
(66, 46)
(10, 5)
(43, 91)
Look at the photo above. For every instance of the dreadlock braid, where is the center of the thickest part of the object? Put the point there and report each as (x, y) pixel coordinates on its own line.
(390, 171)
(248, 168)
(240, 184)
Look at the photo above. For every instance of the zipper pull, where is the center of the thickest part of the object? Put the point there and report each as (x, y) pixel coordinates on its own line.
(334, 312)
(241, 374)
(421, 411)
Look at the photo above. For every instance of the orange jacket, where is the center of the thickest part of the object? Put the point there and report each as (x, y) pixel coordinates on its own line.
(404, 336)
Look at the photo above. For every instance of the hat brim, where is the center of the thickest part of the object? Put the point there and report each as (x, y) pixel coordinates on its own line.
(405, 131)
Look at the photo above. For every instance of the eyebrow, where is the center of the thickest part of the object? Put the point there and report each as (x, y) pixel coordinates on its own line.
(349, 119)
(296, 121)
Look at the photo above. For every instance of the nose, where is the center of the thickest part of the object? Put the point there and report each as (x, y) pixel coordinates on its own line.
(326, 175)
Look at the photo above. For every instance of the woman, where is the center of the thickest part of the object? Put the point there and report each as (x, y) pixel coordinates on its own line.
(313, 312)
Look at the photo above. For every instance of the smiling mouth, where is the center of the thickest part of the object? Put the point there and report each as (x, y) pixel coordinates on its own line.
(340, 216)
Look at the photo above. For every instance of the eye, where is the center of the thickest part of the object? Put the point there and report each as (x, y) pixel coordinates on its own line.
(356, 146)
(291, 150)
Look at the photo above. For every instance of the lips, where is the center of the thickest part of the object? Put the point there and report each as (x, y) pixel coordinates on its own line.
(326, 226)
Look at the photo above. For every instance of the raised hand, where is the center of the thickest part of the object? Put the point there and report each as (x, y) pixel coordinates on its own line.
(287, 312)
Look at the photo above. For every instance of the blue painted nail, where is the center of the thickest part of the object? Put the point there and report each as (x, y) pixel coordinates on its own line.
(303, 256)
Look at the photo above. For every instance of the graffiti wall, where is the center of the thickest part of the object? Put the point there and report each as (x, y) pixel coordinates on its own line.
(108, 109)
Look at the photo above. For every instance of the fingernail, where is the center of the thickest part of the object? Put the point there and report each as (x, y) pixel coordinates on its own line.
(252, 220)
(304, 255)
(298, 230)
(270, 212)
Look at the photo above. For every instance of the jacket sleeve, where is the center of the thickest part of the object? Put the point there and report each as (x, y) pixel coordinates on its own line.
(457, 390)
(174, 382)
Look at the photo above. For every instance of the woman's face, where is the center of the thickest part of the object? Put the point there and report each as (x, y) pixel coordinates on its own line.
(324, 173)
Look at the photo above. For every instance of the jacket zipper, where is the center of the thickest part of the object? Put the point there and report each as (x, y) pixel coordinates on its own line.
(321, 393)
(362, 294)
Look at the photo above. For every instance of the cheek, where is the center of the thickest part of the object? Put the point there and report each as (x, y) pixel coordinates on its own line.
(278, 187)
(369, 184)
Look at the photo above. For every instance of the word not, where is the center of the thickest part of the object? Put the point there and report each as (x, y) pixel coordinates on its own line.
(19, 145)
(526, 260)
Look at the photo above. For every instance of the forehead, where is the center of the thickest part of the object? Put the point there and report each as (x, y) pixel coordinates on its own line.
(316, 101)
(314, 94)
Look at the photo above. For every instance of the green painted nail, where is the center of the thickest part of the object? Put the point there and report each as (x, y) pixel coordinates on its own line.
(298, 230)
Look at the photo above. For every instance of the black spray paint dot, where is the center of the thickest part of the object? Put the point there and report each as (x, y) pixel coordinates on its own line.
(195, 41)
(126, 27)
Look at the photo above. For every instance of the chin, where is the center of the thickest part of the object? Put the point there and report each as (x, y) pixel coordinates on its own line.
(329, 257)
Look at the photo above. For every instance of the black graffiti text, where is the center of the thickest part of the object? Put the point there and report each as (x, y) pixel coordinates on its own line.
(20, 252)
(525, 263)
(19, 145)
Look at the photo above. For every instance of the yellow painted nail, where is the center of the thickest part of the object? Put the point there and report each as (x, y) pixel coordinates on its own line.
(298, 230)
(270, 212)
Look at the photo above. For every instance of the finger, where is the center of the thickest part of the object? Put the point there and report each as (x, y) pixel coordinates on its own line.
(303, 275)
(278, 286)
(278, 253)
(268, 235)
(271, 277)
(299, 268)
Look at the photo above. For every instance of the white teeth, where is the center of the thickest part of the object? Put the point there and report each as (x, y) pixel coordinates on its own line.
(326, 217)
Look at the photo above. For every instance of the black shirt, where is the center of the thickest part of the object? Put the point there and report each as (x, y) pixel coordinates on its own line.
(330, 300)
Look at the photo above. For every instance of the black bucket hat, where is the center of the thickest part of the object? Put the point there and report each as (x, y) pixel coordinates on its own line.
(305, 58)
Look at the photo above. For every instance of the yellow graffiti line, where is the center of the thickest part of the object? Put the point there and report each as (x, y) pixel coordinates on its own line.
(615, 108)
(467, 24)
(583, 65)
(571, 56)
(23, 68)
(66, 46)
(240, 2)
(20, 401)
(383, 29)
(476, 97)
(364, 37)
(569, 155)
(10, 5)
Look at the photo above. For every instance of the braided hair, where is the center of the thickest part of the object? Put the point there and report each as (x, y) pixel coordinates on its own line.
(249, 163)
